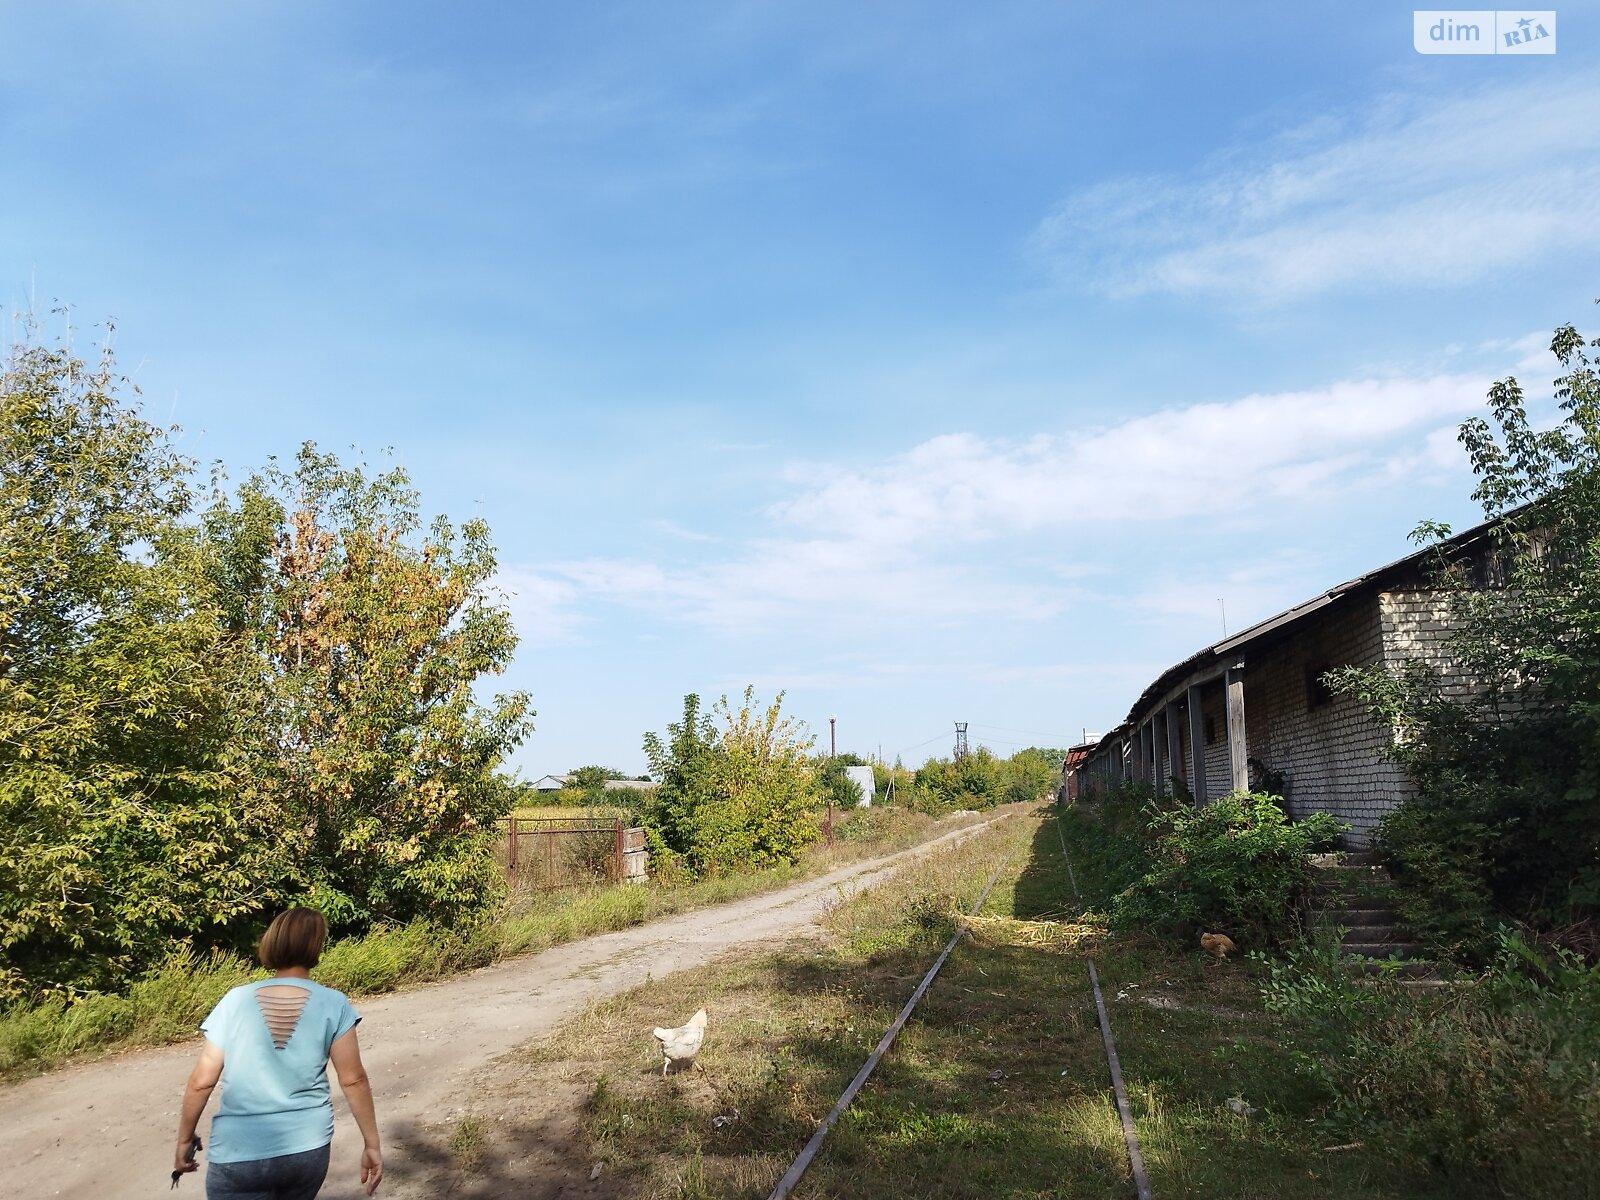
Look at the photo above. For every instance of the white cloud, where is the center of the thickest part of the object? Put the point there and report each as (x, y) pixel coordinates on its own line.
(543, 607)
(1535, 354)
(1408, 194)
(962, 528)
(1173, 464)
(808, 584)
(1227, 601)
(673, 529)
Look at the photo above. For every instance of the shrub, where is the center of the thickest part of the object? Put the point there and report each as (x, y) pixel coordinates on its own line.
(731, 800)
(1505, 812)
(864, 825)
(1494, 1086)
(1236, 864)
(1107, 841)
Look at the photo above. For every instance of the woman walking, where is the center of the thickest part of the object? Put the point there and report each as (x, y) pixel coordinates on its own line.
(270, 1043)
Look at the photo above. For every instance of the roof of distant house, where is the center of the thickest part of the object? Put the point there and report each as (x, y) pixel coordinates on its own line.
(554, 783)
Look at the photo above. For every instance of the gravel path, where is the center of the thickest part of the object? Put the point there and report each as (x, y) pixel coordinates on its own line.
(105, 1129)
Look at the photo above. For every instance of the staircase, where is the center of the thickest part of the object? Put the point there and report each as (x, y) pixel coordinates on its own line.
(1353, 892)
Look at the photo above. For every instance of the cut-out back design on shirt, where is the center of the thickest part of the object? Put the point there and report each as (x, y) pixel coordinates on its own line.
(281, 1006)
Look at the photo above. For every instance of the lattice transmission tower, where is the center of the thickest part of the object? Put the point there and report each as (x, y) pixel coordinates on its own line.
(961, 740)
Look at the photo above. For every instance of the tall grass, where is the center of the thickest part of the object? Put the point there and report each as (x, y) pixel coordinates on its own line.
(171, 1000)
(166, 1005)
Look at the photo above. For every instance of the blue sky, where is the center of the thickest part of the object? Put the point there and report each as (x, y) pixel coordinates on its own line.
(932, 362)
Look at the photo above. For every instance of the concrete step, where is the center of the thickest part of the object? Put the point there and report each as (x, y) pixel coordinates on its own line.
(1345, 858)
(1409, 951)
(1356, 918)
(1378, 935)
(1335, 878)
(1409, 968)
(1426, 983)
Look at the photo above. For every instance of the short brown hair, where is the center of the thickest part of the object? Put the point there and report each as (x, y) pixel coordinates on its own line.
(294, 939)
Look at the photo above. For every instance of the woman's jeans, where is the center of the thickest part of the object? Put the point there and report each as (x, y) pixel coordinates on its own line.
(287, 1177)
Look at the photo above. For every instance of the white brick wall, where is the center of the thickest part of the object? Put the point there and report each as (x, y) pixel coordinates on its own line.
(1417, 624)
(1214, 712)
(1331, 754)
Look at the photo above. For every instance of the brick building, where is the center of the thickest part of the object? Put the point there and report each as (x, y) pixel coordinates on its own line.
(1252, 711)
(1072, 771)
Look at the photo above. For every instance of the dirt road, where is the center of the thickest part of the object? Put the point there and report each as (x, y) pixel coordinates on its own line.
(105, 1129)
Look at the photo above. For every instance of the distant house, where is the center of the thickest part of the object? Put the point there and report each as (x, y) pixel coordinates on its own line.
(1252, 710)
(629, 785)
(554, 783)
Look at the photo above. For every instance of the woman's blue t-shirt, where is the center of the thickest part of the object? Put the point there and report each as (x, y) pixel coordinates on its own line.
(274, 1035)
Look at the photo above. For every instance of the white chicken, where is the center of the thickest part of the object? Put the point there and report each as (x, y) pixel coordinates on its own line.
(683, 1043)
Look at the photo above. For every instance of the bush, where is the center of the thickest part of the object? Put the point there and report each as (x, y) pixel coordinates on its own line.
(1438, 856)
(1236, 864)
(1110, 839)
(1494, 1086)
(744, 798)
(980, 780)
(834, 785)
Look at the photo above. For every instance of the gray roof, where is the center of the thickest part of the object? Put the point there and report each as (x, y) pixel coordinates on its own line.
(1217, 657)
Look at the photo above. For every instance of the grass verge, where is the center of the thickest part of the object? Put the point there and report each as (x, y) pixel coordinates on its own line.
(168, 1003)
(996, 1088)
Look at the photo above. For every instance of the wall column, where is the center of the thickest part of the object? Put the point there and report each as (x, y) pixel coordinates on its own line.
(1197, 746)
(1238, 746)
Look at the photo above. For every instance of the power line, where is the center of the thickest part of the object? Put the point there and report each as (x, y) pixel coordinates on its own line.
(985, 740)
(938, 737)
(1005, 729)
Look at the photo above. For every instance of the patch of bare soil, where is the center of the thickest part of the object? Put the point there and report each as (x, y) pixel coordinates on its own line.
(528, 1142)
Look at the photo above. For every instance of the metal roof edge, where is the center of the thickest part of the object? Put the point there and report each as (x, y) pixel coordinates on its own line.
(1289, 616)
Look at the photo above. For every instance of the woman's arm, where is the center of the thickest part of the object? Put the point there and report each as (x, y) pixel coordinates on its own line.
(202, 1081)
(345, 1055)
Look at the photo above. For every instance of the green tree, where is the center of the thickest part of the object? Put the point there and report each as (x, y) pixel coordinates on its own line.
(373, 634)
(121, 818)
(832, 780)
(764, 775)
(740, 797)
(682, 765)
(1506, 816)
(1032, 773)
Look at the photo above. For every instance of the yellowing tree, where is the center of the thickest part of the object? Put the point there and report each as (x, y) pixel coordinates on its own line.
(381, 757)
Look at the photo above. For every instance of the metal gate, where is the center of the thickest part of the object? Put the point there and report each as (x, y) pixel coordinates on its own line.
(545, 853)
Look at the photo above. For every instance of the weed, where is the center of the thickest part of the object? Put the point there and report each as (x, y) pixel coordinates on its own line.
(1236, 864)
(467, 1143)
(164, 1005)
(1494, 1086)
(997, 1085)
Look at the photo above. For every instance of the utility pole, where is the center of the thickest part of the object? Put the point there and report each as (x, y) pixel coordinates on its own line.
(833, 753)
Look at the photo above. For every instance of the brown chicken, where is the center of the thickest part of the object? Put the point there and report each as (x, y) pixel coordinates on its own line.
(1219, 944)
